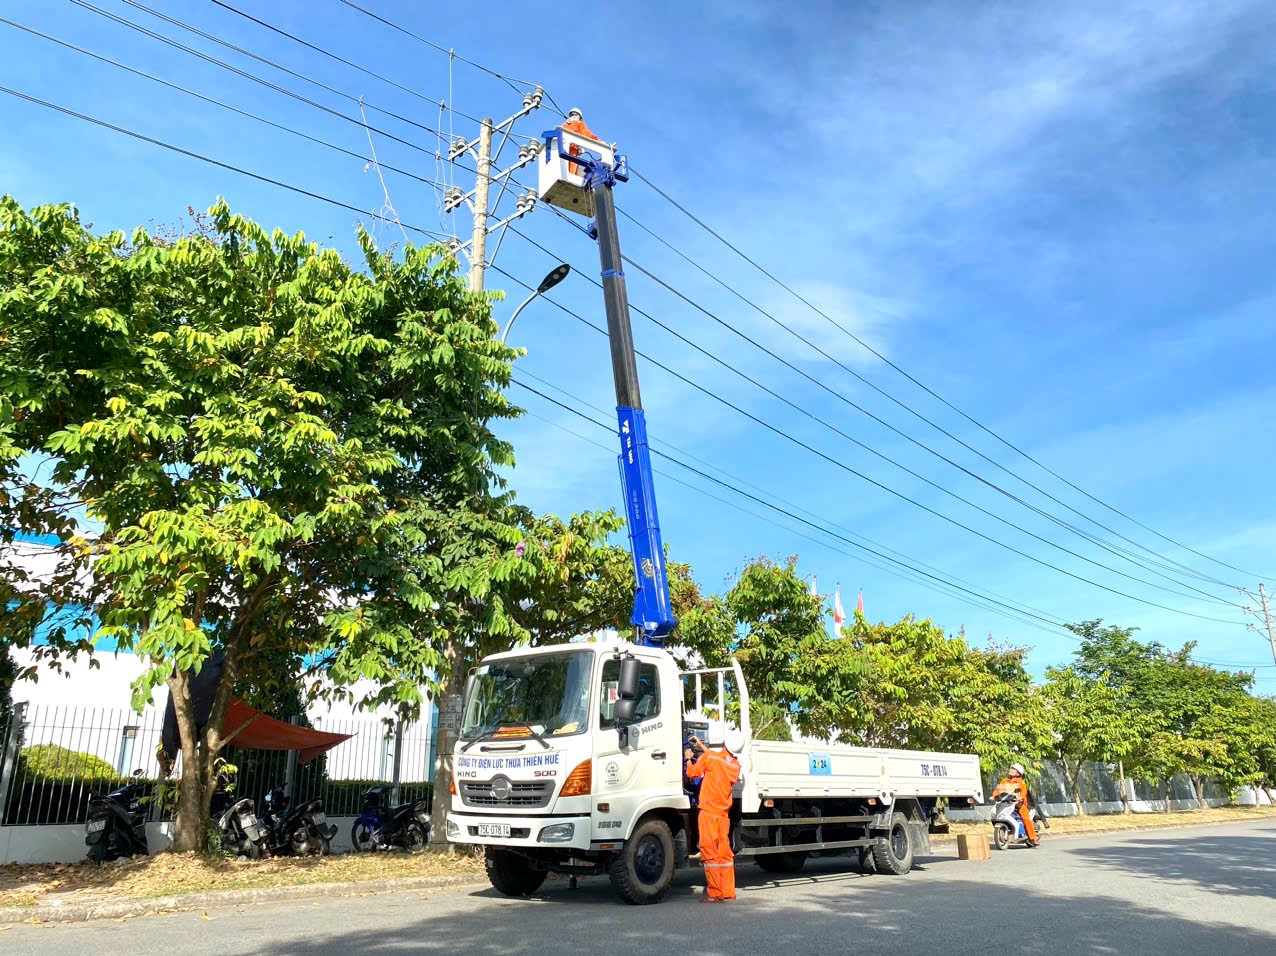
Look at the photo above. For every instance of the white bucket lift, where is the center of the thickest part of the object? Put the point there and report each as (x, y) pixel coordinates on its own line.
(561, 185)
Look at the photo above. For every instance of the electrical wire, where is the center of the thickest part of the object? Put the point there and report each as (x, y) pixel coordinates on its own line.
(826, 424)
(833, 461)
(452, 54)
(224, 105)
(203, 157)
(334, 202)
(864, 344)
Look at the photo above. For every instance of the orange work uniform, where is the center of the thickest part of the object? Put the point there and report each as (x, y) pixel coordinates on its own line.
(579, 127)
(1017, 786)
(719, 771)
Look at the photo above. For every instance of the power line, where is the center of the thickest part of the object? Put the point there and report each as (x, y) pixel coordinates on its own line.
(825, 423)
(815, 451)
(1107, 546)
(452, 54)
(761, 501)
(864, 344)
(248, 53)
(203, 158)
(328, 53)
(221, 104)
(825, 522)
(706, 391)
(895, 572)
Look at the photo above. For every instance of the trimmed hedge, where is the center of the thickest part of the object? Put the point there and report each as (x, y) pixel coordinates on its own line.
(51, 762)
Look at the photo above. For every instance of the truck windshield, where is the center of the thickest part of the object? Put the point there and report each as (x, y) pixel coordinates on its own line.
(548, 694)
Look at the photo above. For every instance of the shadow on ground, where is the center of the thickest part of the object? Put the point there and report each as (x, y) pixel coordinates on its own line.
(831, 909)
(1222, 864)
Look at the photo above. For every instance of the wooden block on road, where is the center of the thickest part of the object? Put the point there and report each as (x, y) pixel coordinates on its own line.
(972, 847)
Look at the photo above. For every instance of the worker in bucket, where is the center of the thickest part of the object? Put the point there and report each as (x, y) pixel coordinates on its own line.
(718, 767)
(576, 124)
(1014, 783)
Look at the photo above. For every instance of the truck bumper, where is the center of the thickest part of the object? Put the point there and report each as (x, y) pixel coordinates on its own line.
(564, 832)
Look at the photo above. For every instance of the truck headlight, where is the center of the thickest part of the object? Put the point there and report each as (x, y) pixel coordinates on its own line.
(558, 833)
(452, 829)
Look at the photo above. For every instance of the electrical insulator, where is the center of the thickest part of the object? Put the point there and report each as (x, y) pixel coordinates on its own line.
(538, 95)
(452, 197)
(458, 148)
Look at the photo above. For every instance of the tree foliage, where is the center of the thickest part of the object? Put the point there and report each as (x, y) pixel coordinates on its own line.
(286, 456)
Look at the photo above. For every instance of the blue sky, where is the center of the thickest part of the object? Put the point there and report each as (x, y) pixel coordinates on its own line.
(1057, 216)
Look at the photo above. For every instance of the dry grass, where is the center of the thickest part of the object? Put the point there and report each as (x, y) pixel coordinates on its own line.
(1136, 821)
(172, 873)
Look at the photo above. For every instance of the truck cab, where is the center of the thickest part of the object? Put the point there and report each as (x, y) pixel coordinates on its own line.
(569, 760)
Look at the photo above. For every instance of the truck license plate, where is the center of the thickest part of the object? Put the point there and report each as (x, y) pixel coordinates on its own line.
(96, 826)
(494, 829)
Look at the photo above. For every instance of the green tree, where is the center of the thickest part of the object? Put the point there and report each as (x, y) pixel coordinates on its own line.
(286, 455)
(996, 711)
(1090, 721)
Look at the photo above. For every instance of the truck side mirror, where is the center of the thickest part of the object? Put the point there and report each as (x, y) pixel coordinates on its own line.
(627, 691)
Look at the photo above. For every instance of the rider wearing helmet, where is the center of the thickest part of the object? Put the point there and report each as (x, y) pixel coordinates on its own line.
(576, 124)
(1014, 783)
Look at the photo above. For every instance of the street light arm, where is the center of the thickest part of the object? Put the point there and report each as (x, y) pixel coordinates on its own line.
(521, 306)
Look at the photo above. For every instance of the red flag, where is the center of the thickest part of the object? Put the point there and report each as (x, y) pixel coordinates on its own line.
(860, 606)
(839, 615)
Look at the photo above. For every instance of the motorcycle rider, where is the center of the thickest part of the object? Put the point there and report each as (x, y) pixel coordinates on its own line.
(1015, 783)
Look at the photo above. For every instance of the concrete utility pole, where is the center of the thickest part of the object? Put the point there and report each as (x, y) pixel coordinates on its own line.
(478, 258)
(1267, 616)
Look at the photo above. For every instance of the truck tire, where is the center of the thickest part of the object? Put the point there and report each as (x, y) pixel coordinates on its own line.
(642, 872)
(781, 862)
(893, 853)
(512, 874)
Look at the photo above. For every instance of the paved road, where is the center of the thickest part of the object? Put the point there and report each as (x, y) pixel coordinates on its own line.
(1209, 890)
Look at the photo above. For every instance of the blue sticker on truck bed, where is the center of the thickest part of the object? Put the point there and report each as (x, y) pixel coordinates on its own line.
(819, 764)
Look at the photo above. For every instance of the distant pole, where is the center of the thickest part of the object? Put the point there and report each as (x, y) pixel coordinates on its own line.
(478, 255)
(1267, 616)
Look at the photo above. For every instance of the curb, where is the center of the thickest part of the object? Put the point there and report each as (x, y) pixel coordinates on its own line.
(150, 906)
(1077, 834)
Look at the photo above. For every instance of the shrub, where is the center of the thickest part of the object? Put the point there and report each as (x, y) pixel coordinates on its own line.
(51, 762)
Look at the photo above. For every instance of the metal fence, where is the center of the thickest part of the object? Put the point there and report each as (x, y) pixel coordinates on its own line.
(53, 760)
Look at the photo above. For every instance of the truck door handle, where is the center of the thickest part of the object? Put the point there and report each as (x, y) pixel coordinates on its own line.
(658, 755)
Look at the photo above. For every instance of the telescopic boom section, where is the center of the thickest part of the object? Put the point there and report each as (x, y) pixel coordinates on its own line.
(652, 615)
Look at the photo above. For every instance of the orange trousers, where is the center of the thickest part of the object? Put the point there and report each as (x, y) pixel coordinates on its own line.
(716, 855)
(1026, 816)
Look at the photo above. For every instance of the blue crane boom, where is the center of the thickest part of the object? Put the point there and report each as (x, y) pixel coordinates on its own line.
(652, 614)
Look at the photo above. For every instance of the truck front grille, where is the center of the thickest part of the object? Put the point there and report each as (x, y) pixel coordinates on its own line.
(475, 793)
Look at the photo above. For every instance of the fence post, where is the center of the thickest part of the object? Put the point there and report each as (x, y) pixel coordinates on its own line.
(398, 762)
(12, 744)
(290, 768)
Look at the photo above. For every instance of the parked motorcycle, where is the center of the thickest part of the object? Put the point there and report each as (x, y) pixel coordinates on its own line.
(242, 833)
(299, 830)
(1007, 825)
(380, 827)
(116, 825)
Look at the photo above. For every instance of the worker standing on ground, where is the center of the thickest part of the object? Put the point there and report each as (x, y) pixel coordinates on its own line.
(1014, 783)
(718, 770)
(576, 124)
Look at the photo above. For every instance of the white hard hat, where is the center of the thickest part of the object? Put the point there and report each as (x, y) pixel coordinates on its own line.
(715, 734)
(735, 742)
(1017, 768)
(575, 111)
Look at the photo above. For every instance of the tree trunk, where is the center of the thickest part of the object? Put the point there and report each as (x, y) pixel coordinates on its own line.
(1070, 776)
(441, 798)
(1122, 783)
(1198, 784)
(199, 750)
(1165, 793)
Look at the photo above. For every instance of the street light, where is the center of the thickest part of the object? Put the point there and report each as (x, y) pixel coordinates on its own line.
(556, 275)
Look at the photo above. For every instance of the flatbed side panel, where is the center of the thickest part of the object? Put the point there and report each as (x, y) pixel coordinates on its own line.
(779, 770)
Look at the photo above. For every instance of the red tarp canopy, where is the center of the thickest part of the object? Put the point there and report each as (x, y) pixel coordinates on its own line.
(251, 728)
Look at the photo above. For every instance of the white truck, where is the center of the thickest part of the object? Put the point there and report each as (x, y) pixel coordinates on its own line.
(570, 761)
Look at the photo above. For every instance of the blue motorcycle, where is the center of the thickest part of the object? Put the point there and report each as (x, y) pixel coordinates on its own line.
(381, 827)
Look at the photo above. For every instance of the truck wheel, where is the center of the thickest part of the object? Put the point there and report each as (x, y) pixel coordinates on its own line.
(893, 853)
(781, 862)
(643, 871)
(512, 874)
(864, 855)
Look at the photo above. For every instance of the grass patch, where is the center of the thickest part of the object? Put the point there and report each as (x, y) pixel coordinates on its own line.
(168, 874)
